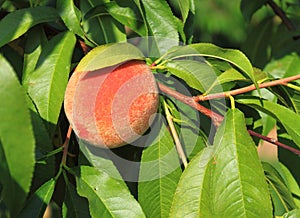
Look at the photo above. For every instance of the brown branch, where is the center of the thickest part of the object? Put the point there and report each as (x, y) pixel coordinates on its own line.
(275, 142)
(66, 146)
(217, 118)
(282, 81)
(278, 11)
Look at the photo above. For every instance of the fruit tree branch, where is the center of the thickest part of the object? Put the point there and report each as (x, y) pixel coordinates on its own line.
(282, 81)
(217, 118)
(277, 10)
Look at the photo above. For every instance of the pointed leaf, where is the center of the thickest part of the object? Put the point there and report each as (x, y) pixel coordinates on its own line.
(196, 74)
(38, 202)
(107, 196)
(248, 8)
(18, 22)
(235, 57)
(16, 140)
(108, 55)
(70, 15)
(101, 29)
(74, 205)
(192, 187)
(282, 197)
(99, 158)
(289, 119)
(46, 85)
(228, 178)
(292, 214)
(162, 25)
(159, 173)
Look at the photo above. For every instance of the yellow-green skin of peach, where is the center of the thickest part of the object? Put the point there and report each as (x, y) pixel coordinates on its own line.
(113, 106)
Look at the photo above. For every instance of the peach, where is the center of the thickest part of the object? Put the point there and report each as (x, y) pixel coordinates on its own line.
(113, 106)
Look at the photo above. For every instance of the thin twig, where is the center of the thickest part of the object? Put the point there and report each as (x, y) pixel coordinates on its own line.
(66, 146)
(175, 137)
(217, 118)
(277, 10)
(282, 81)
(275, 142)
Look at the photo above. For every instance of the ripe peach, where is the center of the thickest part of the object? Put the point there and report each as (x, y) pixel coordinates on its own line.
(111, 107)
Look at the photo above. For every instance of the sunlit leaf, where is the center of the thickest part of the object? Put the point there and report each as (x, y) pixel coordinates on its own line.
(17, 141)
(289, 119)
(47, 83)
(109, 55)
(107, 196)
(162, 25)
(101, 29)
(18, 22)
(225, 180)
(70, 15)
(196, 74)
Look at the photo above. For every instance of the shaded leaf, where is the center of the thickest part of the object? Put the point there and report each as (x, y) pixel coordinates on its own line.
(289, 119)
(16, 139)
(257, 43)
(38, 202)
(282, 197)
(47, 83)
(18, 22)
(74, 205)
(248, 8)
(108, 55)
(35, 40)
(107, 196)
(159, 173)
(99, 158)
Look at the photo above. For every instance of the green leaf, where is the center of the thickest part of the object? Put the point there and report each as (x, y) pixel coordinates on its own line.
(233, 56)
(99, 158)
(70, 14)
(35, 40)
(187, 201)
(108, 55)
(282, 197)
(225, 180)
(257, 43)
(159, 173)
(196, 74)
(47, 83)
(128, 14)
(248, 8)
(292, 214)
(74, 205)
(162, 25)
(18, 22)
(289, 119)
(16, 140)
(38, 202)
(107, 196)
(101, 29)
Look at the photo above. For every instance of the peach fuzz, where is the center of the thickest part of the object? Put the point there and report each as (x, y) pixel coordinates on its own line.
(113, 106)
